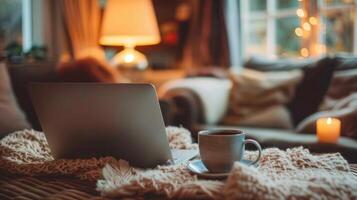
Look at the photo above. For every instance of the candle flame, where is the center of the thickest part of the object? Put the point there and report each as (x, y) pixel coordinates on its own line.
(329, 120)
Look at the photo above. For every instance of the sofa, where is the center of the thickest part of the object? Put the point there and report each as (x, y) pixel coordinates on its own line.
(320, 82)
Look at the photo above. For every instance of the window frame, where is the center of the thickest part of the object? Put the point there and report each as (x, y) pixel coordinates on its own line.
(32, 23)
(322, 7)
(272, 13)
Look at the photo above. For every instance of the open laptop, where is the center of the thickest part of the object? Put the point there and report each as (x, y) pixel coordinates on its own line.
(83, 120)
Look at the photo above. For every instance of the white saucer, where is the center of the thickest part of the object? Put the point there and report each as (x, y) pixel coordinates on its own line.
(197, 167)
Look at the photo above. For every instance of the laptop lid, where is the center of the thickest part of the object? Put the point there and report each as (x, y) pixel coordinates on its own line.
(83, 120)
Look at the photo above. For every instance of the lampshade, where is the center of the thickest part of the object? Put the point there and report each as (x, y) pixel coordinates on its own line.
(129, 23)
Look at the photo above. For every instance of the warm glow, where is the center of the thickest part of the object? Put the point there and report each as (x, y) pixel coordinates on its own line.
(321, 48)
(304, 52)
(306, 26)
(328, 129)
(129, 58)
(129, 23)
(299, 32)
(313, 20)
(300, 12)
(329, 121)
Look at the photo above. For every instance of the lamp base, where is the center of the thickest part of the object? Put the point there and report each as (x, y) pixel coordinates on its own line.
(130, 59)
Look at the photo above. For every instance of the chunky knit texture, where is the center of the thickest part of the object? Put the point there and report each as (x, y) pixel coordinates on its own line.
(294, 173)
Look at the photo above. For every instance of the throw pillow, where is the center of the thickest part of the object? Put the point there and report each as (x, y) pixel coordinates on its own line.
(343, 83)
(276, 116)
(11, 117)
(312, 89)
(259, 98)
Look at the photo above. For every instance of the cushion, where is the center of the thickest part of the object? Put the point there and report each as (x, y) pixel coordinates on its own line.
(11, 118)
(276, 116)
(259, 98)
(311, 90)
(213, 93)
(343, 84)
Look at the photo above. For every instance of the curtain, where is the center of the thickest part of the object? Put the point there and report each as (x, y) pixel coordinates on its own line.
(82, 25)
(207, 43)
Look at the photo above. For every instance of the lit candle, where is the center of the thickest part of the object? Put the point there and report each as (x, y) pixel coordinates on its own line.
(328, 129)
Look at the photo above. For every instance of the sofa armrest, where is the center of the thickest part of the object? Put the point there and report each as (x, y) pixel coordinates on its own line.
(186, 108)
(206, 99)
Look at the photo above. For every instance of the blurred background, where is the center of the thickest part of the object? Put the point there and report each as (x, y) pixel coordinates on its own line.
(35, 30)
(272, 68)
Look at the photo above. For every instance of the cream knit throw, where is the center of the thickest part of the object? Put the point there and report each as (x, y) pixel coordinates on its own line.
(290, 174)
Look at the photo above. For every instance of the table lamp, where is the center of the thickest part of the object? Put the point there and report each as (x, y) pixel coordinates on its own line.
(129, 23)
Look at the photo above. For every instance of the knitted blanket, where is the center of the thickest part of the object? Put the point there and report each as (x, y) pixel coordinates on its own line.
(294, 173)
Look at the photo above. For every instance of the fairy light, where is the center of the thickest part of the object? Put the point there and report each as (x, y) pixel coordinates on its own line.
(304, 52)
(308, 30)
(300, 13)
(308, 22)
(313, 20)
(299, 32)
(306, 26)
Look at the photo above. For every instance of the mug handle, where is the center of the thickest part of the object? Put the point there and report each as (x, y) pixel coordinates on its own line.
(250, 141)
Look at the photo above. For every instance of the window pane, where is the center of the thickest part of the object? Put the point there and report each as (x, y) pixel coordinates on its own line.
(10, 22)
(288, 44)
(257, 5)
(284, 4)
(257, 37)
(338, 30)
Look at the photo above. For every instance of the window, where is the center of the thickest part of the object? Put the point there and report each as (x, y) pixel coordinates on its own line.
(268, 27)
(10, 23)
(21, 27)
(298, 28)
(339, 25)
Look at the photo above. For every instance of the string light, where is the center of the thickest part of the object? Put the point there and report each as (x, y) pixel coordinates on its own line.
(313, 20)
(299, 32)
(305, 29)
(300, 13)
(306, 26)
(304, 52)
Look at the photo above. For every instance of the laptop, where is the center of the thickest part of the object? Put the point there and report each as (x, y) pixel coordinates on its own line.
(84, 120)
